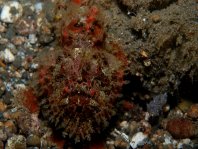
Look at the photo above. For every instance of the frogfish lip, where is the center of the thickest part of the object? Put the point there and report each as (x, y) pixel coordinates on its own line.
(81, 97)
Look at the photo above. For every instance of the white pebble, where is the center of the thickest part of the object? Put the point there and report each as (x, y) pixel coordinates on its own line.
(138, 140)
(8, 86)
(147, 115)
(34, 66)
(167, 140)
(2, 28)
(38, 7)
(183, 142)
(124, 124)
(16, 139)
(32, 38)
(18, 75)
(20, 86)
(7, 56)
(11, 11)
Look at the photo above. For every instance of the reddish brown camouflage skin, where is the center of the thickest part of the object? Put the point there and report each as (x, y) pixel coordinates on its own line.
(77, 89)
